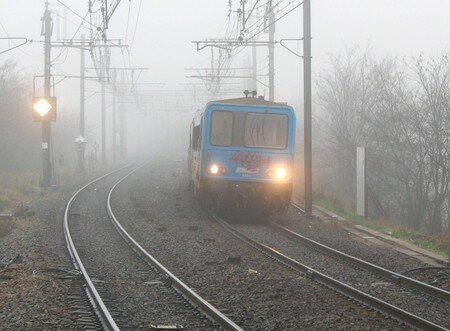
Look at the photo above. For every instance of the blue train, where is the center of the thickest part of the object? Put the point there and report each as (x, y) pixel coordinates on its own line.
(241, 153)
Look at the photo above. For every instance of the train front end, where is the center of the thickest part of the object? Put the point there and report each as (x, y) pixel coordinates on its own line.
(248, 154)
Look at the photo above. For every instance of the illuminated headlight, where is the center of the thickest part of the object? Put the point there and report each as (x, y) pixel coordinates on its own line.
(280, 173)
(215, 169)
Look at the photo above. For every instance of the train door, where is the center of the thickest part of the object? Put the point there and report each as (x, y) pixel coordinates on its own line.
(196, 143)
(190, 151)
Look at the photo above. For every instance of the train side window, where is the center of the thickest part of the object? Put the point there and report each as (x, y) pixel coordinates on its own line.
(221, 128)
(196, 137)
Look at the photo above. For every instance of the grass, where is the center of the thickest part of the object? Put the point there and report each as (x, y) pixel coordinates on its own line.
(14, 189)
(6, 227)
(437, 244)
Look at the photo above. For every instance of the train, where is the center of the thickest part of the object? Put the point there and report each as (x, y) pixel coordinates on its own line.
(241, 154)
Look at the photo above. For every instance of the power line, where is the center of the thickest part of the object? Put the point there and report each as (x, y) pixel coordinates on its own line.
(74, 12)
(16, 45)
(135, 27)
(128, 21)
(71, 39)
(277, 19)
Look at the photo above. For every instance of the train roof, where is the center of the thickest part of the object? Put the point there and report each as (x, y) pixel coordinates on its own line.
(241, 101)
(250, 101)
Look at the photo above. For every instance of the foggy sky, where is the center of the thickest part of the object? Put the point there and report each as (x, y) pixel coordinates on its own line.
(165, 29)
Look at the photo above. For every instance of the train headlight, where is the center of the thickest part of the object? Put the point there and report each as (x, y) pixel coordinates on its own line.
(280, 173)
(214, 169)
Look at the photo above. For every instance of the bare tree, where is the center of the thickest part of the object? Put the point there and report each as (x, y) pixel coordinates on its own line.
(19, 138)
(401, 113)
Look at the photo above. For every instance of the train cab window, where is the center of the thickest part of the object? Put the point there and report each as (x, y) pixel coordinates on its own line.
(221, 128)
(265, 130)
(196, 137)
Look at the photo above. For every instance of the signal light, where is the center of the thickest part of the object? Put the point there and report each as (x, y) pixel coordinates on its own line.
(44, 109)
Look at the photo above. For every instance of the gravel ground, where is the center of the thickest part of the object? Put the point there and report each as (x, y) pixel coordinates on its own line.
(253, 290)
(331, 234)
(136, 295)
(334, 236)
(418, 303)
(436, 277)
(42, 301)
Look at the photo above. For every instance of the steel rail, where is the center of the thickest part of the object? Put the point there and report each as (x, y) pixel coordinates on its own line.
(386, 273)
(364, 298)
(298, 207)
(389, 274)
(212, 312)
(99, 306)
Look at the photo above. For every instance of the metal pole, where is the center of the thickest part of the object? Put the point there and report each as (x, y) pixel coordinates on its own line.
(46, 127)
(122, 128)
(308, 105)
(114, 133)
(122, 120)
(121, 134)
(254, 68)
(103, 113)
(82, 90)
(271, 52)
(125, 134)
(254, 61)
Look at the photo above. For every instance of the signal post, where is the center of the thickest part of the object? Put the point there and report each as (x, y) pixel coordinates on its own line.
(45, 106)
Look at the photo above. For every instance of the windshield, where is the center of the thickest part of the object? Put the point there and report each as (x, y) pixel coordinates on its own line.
(221, 128)
(266, 130)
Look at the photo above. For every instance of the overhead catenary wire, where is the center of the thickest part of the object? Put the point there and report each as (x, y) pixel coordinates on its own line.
(128, 21)
(17, 45)
(276, 18)
(74, 12)
(71, 39)
(136, 25)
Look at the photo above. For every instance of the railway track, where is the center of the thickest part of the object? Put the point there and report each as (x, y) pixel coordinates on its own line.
(385, 273)
(380, 239)
(100, 306)
(341, 287)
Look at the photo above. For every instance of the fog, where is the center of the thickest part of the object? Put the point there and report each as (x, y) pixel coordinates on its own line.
(159, 102)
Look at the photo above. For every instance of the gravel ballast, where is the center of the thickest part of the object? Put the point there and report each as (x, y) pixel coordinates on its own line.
(255, 291)
(425, 306)
(136, 295)
(41, 289)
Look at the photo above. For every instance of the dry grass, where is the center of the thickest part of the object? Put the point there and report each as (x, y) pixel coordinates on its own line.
(6, 227)
(15, 189)
(438, 244)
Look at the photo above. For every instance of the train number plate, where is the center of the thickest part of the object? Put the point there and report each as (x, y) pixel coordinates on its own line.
(243, 170)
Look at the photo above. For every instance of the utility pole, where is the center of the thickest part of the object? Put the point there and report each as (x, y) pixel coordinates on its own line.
(254, 62)
(122, 129)
(271, 46)
(254, 68)
(114, 115)
(308, 105)
(47, 27)
(103, 71)
(122, 133)
(82, 121)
